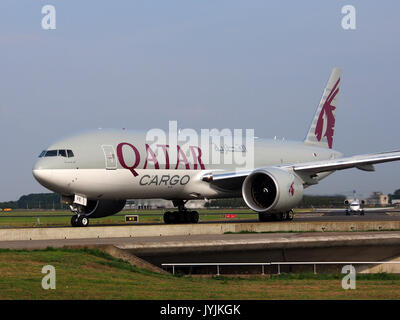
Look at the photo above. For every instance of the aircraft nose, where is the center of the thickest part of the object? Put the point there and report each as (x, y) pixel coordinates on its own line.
(37, 165)
(41, 174)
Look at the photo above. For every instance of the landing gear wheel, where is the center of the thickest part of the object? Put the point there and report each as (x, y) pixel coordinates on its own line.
(167, 217)
(74, 220)
(263, 217)
(83, 221)
(173, 217)
(347, 213)
(362, 213)
(280, 216)
(182, 215)
(194, 217)
(290, 215)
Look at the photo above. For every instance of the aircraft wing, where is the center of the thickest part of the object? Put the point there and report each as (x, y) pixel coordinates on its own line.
(378, 209)
(363, 162)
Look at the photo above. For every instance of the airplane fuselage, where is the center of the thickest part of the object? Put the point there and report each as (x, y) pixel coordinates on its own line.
(112, 164)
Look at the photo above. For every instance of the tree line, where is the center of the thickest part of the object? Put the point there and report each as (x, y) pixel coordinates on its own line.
(36, 201)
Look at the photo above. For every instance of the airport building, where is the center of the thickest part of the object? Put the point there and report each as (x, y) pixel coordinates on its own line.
(378, 199)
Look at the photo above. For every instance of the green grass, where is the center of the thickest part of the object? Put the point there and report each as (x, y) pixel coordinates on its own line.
(46, 218)
(93, 274)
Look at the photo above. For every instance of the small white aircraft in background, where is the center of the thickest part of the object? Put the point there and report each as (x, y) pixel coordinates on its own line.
(355, 206)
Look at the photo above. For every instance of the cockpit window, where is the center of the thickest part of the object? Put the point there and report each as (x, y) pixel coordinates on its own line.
(62, 153)
(54, 153)
(51, 153)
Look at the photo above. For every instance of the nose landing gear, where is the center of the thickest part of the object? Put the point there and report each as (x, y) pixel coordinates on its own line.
(78, 220)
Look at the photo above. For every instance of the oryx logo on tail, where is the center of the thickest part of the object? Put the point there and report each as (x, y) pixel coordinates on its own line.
(323, 126)
(327, 117)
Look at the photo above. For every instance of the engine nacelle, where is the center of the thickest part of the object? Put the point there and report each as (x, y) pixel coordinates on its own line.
(102, 208)
(346, 202)
(272, 190)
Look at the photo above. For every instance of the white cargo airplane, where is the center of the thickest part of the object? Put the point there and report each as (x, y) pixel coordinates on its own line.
(96, 172)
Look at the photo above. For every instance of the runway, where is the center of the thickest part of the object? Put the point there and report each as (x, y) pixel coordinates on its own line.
(308, 237)
(203, 242)
(390, 215)
(313, 222)
(311, 216)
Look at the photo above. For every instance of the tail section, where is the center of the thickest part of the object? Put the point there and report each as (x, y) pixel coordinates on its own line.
(323, 126)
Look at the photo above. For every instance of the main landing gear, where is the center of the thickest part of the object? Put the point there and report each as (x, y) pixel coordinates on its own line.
(280, 216)
(183, 215)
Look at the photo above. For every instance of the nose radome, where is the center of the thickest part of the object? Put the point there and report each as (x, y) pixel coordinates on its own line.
(38, 165)
(43, 176)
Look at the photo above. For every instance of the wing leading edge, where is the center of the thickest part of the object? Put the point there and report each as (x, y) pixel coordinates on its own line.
(363, 162)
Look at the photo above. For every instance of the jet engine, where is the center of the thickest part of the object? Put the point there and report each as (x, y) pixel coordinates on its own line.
(101, 208)
(272, 190)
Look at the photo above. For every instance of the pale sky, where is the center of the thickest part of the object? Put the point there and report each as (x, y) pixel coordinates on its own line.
(207, 64)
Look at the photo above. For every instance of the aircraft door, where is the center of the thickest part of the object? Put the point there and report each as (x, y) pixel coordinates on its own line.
(110, 157)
